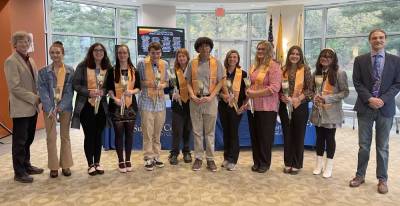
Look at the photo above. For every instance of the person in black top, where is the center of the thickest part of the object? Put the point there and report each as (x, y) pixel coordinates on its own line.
(230, 108)
(181, 123)
(122, 84)
(91, 109)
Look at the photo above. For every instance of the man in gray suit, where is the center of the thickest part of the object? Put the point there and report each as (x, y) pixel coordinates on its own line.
(376, 78)
(20, 72)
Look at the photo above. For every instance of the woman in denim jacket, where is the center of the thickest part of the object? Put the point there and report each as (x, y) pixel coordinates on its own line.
(55, 91)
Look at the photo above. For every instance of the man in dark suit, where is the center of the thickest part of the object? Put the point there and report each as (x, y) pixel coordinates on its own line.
(20, 72)
(376, 78)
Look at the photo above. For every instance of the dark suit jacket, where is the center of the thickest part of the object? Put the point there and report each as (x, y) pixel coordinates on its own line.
(363, 82)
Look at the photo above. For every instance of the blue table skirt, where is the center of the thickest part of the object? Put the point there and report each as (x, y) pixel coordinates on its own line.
(166, 135)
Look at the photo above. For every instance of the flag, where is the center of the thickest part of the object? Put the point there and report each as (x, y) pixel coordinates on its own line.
(300, 22)
(270, 34)
(279, 44)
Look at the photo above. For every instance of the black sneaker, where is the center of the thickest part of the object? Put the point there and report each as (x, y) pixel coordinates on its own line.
(173, 159)
(23, 179)
(187, 157)
(32, 170)
(148, 165)
(158, 163)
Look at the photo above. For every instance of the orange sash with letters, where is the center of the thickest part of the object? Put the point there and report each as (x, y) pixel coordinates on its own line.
(213, 74)
(183, 90)
(92, 82)
(148, 71)
(119, 88)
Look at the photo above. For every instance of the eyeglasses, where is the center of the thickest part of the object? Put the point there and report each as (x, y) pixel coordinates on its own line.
(98, 50)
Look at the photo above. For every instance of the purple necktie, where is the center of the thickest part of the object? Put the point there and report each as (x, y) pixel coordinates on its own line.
(376, 76)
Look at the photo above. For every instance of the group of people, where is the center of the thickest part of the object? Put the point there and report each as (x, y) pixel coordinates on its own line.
(200, 89)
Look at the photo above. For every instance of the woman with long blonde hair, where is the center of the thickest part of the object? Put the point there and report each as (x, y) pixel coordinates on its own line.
(265, 76)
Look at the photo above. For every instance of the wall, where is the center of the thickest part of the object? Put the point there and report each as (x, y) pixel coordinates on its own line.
(16, 15)
(156, 15)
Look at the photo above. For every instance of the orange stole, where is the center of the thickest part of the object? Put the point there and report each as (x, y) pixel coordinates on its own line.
(213, 74)
(92, 82)
(148, 71)
(183, 90)
(327, 89)
(237, 81)
(299, 81)
(119, 88)
(260, 76)
(60, 79)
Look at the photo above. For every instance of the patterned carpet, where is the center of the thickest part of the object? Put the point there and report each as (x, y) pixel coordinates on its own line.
(178, 185)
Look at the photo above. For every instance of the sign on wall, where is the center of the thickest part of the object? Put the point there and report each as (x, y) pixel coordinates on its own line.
(171, 39)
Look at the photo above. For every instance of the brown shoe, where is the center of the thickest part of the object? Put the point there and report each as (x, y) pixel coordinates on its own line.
(66, 172)
(356, 181)
(382, 187)
(211, 165)
(197, 165)
(53, 173)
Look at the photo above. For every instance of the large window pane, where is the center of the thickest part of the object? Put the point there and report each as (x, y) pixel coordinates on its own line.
(181, 21)
(312, 47)
(128, 23)
(313, 23)
(77, 47)
(362, 18)
(259, 25)
(70, 17)
(347, 49)
(232, 26)
(203, 25)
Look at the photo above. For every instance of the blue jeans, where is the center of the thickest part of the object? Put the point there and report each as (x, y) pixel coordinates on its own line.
(383, 125)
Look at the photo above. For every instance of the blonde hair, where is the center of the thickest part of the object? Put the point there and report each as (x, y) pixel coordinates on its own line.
(20, 35)
(269, 53)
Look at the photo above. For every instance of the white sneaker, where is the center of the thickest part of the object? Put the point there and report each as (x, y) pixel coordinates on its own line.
(318, 165)
(148, 165)
(231, 167)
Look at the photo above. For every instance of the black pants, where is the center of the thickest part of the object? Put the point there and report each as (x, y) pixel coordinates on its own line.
(181, 129)
(23, 134)
(230, 125)
(326, 137)
(93, 126)
(293, 134)
(262, 131)
(122, 129)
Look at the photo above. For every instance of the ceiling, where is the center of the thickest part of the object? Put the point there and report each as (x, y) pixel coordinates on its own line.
(226, 4)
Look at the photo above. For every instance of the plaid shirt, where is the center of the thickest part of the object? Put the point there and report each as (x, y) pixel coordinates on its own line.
(145, 101)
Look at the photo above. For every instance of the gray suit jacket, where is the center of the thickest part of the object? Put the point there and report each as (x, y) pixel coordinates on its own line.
(333, 114)
(21, 86)
(363, 82)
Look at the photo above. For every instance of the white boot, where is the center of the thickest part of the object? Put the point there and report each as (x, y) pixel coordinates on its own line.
(328, 168)
(318, 165)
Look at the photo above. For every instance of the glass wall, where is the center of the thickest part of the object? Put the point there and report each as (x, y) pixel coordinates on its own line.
(79, 25)
(236, 30)
(345, 29)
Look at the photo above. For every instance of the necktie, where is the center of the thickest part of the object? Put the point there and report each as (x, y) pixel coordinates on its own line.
(376, 75)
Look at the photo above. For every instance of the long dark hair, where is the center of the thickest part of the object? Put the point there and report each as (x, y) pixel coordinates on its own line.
(117, 68)
(230, 52)
(332, 68)
(288, 63)
(89, 59)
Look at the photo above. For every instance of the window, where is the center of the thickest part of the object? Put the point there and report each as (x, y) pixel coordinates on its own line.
(345, 29)
(79, 25)
(236, 30)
